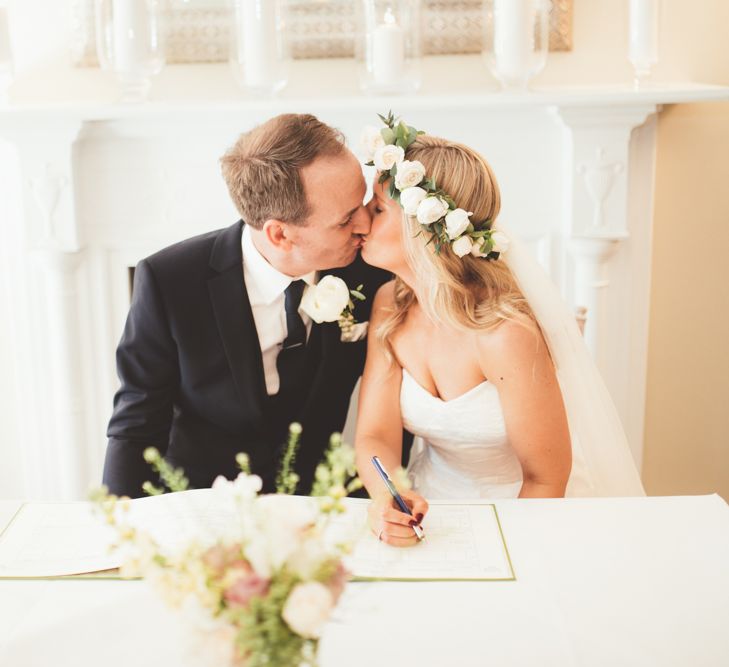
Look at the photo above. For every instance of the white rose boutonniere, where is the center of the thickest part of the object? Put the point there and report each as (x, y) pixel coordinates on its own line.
(330, 300)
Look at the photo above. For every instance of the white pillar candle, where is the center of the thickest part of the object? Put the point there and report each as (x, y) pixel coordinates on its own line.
(514, 37)
(130, 35)
(260, 42)
(643, 33)
(388, 52)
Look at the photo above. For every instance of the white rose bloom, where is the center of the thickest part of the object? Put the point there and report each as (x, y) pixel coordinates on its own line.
(462, 246)
(476, 248)
(307, 609)
(387, 156)
(500, 241)
(431, 210)
(456, 222)
(409, 174)
(325, 301)
(370, 141)
(410, 199)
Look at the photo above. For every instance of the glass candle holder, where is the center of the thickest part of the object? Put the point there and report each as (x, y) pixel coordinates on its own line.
(130, 42)
(643, 37)
(389, 47)
(260, 54)
(516, 40)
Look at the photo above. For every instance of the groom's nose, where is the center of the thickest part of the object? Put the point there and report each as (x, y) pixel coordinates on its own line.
(362, 221)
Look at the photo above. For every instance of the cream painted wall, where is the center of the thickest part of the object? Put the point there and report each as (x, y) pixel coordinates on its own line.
(687, 408)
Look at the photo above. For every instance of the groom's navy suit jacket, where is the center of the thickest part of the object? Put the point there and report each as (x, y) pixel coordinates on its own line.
(192, 381)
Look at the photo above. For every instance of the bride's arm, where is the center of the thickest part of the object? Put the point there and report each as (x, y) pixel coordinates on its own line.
(379, 433)
(515, 358)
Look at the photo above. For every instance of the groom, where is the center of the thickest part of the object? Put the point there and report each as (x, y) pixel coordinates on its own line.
(216, 358)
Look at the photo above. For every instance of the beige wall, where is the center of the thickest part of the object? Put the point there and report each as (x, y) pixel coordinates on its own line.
(687, 408)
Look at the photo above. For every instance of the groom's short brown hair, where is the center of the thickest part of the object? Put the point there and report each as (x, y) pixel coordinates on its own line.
(262, 168)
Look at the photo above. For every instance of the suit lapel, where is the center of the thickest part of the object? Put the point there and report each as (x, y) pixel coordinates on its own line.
(234, 318)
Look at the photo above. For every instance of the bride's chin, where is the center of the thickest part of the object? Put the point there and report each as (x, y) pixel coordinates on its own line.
(367, 254)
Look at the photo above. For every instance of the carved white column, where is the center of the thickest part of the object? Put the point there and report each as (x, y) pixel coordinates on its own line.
(595, 181)
(57, 458)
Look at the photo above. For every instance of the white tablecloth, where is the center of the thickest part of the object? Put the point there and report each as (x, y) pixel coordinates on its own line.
(609, 582)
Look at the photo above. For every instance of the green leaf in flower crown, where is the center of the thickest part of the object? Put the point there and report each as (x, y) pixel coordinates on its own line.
(369, 164)
(357, 294)
(470, 229)
(383, 177)
(392, 188)
(388, 135)
(412, 135)
(388, 120)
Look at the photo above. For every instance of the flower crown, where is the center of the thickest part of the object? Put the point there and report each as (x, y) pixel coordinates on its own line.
(419, 196)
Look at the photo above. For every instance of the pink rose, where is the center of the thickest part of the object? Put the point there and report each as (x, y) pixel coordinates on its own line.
(220, 557)
(338, 581)
(245, 588)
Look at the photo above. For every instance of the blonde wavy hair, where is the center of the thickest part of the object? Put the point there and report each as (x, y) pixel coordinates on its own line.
(466, 293)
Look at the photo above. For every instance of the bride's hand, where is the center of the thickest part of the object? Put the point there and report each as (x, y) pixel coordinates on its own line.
(393, 526)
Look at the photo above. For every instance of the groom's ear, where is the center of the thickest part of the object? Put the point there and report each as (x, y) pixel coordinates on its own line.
(277, 234)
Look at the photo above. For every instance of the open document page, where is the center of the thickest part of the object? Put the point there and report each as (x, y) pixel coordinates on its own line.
(463, 541)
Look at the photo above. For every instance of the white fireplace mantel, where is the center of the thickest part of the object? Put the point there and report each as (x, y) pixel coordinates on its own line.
(104, 184)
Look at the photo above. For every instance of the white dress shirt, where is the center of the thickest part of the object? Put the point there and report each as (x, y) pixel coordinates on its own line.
(266, 286)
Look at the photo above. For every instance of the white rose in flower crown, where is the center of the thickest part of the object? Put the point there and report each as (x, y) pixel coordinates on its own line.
(410, 199)
(500, 242)
(431, 210)
(325, 301)
(456, 222)
(477, 248)
(370, 141)
(409, 174)
(462, 246)
(387, 156)
(307, 609)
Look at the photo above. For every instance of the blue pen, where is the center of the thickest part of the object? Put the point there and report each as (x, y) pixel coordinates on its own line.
(398, 498)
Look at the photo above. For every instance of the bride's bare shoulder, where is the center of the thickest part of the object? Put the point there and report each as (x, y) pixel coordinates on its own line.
(513, 344)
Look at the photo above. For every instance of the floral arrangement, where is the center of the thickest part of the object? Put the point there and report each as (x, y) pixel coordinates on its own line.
(420, 196)
(268, 584)
(331, 300)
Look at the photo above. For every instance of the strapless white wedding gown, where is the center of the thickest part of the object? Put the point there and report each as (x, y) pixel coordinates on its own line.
(461, 449)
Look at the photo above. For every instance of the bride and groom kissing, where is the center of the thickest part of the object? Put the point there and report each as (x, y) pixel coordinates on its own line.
(461, 339)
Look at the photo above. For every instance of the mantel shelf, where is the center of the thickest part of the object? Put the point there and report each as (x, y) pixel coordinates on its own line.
(453, 82)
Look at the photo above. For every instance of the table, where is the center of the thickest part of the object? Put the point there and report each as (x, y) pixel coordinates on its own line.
(620, 581)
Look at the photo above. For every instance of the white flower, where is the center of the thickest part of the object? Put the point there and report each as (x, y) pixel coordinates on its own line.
(431, 209)
(281, 522)
(387, 156)
(308, 558)
(500, 242)
(325, 301)
(476, 248)
(462, 246)
(410, 198)
(244, 486)
(409, 174)
(456, 222)
(307, 609)
(370, 141)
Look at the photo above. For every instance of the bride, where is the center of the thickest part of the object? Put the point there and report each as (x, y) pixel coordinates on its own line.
(471, 349)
